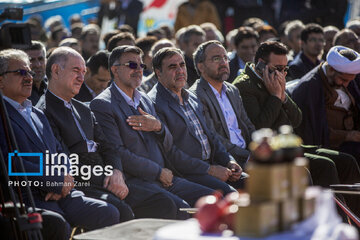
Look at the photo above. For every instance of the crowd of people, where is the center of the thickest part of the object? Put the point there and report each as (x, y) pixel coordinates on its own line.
(172, 113)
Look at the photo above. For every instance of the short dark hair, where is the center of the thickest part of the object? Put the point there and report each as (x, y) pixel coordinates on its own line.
(145, 43)
(268, 47)
(310, 28)
(36, 45)
(199, 54)
(163, 53)
(99, 59)
(119, 51)
(349, 54)
(245, 33)
(119, 37)
(109, 35)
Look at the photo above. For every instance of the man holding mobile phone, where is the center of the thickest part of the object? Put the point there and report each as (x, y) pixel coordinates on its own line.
(262, 88)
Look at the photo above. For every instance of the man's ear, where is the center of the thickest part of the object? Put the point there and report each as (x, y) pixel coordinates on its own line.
(55, 68)
(113, 70)
(157, 72)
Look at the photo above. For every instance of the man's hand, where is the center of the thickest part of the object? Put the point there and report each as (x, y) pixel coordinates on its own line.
(166, 177)
(116, 184)
(280, 77)
(353, 136)
(144, 122)
(271, 83)
(68, 185)
(236, 171)
(220, 172)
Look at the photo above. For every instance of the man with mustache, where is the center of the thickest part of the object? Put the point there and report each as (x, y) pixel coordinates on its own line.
(223, 105)
(145, 144)
(183, 114)
(330, 117)
(33, 134)
(37, 54)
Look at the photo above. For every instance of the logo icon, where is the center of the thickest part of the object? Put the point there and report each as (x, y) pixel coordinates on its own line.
(15, 154)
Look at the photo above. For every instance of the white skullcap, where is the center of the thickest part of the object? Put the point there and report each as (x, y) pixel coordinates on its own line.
(343, 64)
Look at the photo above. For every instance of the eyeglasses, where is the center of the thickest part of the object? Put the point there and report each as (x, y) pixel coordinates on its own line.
(21, 72)
(132, 65)
(218, 59)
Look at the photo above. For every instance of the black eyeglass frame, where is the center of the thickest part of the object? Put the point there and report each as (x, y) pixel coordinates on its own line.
(22, 72)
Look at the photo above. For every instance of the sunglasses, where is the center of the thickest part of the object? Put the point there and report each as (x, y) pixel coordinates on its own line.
(132, 65)
(21, 72)
(280, 68)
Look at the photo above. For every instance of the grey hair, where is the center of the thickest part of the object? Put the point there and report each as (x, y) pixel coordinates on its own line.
(11, 54)
(59, 56)
(199, 54)
(291, 26)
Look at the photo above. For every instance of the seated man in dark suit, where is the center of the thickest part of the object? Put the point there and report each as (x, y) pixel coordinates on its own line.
(78, 129)
(33, 134)
(183, 114)
(97, 77)
(129, 121)
(223, 106)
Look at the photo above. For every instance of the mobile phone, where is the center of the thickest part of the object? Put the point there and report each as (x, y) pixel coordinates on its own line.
(260, 66)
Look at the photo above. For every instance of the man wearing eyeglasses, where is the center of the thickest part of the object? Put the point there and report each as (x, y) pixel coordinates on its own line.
(223, 107)
(312, 45)
(262, 88)
(33, 134)
(129, 121)
(183, 114)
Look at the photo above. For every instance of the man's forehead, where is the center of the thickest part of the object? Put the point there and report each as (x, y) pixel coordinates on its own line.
(214, 49)
(129, 56)
(36, 52)
(174, 58)
(18, 63)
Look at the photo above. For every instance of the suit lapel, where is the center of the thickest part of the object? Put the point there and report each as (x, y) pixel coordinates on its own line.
(210, 94)
(18, 119)
(124, 107)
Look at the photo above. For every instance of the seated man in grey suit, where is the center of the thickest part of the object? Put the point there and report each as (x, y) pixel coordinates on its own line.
(183, 114)
(223, 106)
(129, 121)
(55, 191)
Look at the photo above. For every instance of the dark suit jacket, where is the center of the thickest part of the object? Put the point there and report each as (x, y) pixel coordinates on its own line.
(84, 94)
(234, 69)
(309, 95)
(264, 109)
(168, 109)
(191, 71)
(66, 131)
(300, 66)
(29, 142)
(112, 110)
(215, 117)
